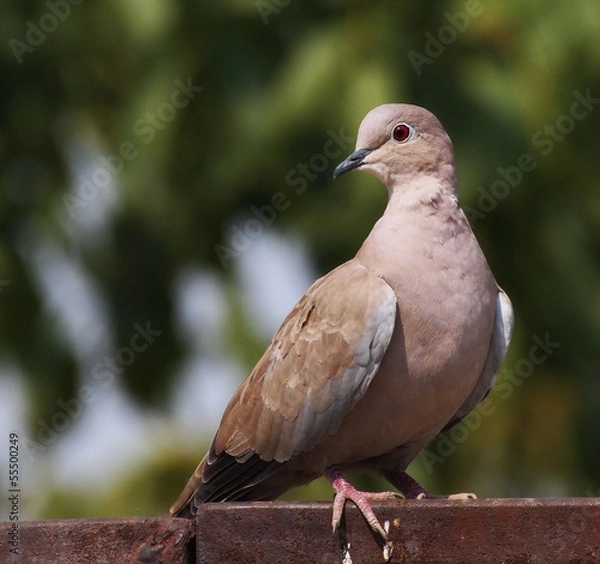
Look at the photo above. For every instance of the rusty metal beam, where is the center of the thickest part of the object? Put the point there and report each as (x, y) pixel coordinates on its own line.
(102, 541)
(490, 531)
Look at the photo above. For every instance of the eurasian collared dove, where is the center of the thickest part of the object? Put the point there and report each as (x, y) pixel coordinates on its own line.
(380, 355)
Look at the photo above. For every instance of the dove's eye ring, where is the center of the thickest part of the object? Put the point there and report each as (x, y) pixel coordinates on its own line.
(402, 132)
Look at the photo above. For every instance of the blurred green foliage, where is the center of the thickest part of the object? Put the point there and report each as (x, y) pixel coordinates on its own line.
(502, 84)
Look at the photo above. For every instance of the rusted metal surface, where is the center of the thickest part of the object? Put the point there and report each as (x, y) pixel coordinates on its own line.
(491, 531)
(101, 541)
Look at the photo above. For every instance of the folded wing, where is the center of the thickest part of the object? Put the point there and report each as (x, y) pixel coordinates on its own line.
(317, 367)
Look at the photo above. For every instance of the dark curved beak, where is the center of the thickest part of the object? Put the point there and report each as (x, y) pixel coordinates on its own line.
(352, 161)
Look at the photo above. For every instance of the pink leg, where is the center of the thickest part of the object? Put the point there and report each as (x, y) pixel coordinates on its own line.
(411, 489)
(345, 491)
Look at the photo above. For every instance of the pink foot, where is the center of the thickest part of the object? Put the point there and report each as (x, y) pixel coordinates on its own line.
(345, 491)
(411, 489)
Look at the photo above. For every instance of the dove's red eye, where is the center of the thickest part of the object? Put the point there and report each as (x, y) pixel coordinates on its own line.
(401, 132)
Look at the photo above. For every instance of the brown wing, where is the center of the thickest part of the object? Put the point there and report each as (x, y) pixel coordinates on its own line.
(318, 365)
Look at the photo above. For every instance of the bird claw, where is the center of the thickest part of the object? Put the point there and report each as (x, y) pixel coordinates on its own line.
(386, 527)
(413, 490)
(463, 496)
(388, 550)
(457, 496)
(344, 491)
(360, 500)
(346, 558)
(335, 525)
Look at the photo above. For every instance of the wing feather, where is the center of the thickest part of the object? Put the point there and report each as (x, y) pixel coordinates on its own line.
(317, 367)
(319, 364)
(499, 343)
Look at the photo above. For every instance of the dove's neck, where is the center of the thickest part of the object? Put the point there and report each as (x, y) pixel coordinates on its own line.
(419, 198)
(422, 216)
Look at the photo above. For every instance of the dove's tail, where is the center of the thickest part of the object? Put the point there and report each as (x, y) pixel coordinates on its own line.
(183, 507)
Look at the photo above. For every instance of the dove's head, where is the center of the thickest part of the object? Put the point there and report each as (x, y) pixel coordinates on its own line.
(400, 142)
